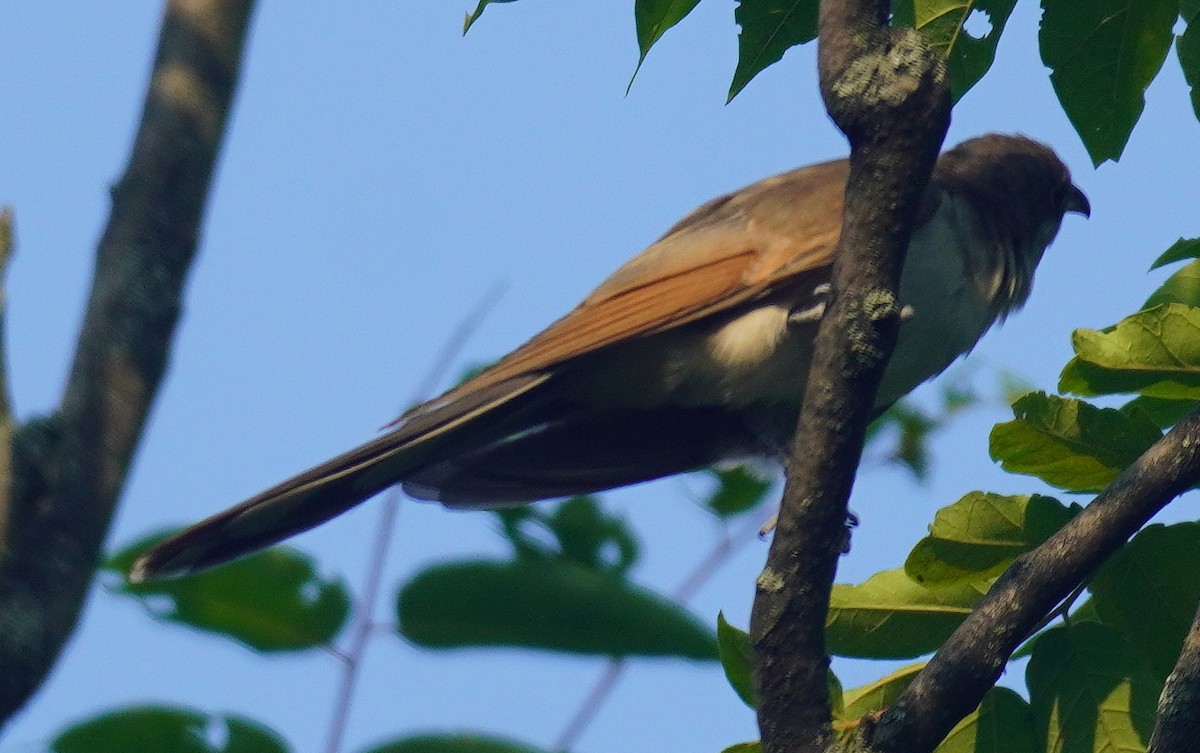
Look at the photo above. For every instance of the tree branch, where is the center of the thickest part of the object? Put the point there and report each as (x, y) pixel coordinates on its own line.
(69, 472)
(886, 89)
(1178, 727)
(970, 662)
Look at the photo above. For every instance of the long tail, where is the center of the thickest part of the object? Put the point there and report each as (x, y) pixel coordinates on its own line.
(336, 485)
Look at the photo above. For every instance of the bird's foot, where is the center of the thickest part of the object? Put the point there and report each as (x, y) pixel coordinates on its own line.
(814, 312)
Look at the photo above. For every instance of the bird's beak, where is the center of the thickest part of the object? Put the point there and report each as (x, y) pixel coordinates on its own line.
(1077, 202)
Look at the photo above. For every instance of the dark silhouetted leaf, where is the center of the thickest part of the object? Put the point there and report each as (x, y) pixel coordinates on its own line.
(167, 729)
(473, 16)
(578, 530)
(653, 18)
(270, 601)
(948, 25)
(554, 605)
(1089, 690)
(1164, 413)
(891, 616)
(980, 535)
(769, 29)
(739, 489)
(1103, 54)
(1148, 591)
(1069, 443)
(457, 742)
(1187, 45)
(1184, 248)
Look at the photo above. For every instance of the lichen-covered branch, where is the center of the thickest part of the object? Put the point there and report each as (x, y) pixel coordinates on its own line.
(971, 660)
(69, 470)
(886, 89)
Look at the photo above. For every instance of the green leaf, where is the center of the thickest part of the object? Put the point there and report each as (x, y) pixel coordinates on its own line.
(1187, 45)
(270, 601)
(1148, 591)
(1164, 413)
(1069, 443)
(1103, 54)
(167, 729)
(769, 28)
(1003, 723)
(653, 18)
(980, 535)
(879, 694)
(1181, 287)
(942, 23)
(1154, 352)
(737, 659)
(456, 742)
(1184, 248)
(578, 530)
(913, 427)
(1088, 690)
(754, 746)
(553, 605)
(891, 616)
(739, 489)
(472, 17)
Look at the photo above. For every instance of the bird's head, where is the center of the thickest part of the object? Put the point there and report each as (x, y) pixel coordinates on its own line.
(1019, 190)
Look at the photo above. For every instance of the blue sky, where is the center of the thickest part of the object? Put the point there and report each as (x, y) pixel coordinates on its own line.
(381, 175)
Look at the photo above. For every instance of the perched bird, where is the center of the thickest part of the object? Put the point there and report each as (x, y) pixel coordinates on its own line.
(695, 351)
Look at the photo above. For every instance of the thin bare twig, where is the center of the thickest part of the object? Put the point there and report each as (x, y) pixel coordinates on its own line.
(726, 546)
(364, 619)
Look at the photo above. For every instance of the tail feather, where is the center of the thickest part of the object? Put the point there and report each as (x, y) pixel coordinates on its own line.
(335, 486)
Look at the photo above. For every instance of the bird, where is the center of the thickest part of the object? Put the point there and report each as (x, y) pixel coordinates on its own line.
(694, 352)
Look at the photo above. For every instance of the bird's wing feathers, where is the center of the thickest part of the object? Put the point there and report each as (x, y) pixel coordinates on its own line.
(729, 251)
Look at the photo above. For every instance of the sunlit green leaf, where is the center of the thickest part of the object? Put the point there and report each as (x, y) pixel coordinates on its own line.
(1070, 444)
(1089, 690)
(270, 601)
(1102, 55)
(891, 616)
(168, 729)
(880, 694)
(554, 605)
(1154, 352)
(981, 534)
(1002, 724)
(1181, 287)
